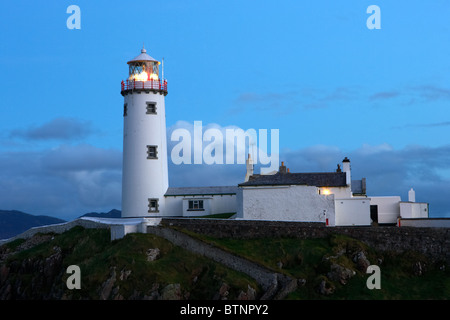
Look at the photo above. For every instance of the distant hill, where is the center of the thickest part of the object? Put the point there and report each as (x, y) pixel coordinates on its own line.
(14, 222)
(111, 214)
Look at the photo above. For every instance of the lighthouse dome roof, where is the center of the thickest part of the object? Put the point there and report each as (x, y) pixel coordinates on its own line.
(142, 57)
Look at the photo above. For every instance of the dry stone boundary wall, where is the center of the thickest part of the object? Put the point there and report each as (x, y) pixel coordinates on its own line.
(432, 242)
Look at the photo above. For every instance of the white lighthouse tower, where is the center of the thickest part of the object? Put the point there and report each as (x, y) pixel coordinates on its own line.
(145, 174)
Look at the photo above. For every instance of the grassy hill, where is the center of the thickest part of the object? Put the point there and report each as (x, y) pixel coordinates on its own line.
(36, 269)
(144, 266)
(338, 264)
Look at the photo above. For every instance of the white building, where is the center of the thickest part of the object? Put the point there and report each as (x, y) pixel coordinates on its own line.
(145, 186)
(387, 210)
(201, 201)
(329, 197)
(145, 173)
(311, 197)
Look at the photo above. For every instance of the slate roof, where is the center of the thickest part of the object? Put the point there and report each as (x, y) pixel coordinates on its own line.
(317, 179)
(201, 191)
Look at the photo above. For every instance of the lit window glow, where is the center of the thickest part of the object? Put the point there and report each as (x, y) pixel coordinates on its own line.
(143, 76)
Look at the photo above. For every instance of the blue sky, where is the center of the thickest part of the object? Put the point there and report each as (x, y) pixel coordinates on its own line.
(311, 69)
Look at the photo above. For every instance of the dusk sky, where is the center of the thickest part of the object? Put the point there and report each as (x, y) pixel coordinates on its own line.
(311, 69)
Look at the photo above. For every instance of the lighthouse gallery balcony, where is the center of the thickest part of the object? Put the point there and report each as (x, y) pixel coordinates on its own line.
(151, 85)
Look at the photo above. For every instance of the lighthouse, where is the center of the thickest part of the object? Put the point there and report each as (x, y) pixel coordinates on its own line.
(144, 172)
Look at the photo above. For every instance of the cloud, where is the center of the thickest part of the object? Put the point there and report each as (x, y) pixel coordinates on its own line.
(69, 180)
(425, 125)
(57, 129)
(66, 182)
(278, 104)
(425, 93)
(432, 92)
(389, 171)
(81, 157)
(384, 95)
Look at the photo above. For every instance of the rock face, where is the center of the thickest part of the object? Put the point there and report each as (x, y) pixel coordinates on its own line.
(153, 254)
(361, 261)
(146, 268)
(44, 273)
(340, 274)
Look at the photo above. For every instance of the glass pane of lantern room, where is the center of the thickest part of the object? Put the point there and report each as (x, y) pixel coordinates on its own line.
(155, 68)
(136, 68)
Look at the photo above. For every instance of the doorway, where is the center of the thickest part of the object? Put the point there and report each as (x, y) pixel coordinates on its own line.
(374, 213)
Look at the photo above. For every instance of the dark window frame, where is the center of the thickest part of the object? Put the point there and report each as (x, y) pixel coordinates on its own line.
(152, 152)
(196, 205)
(153, 205)
(151, 107)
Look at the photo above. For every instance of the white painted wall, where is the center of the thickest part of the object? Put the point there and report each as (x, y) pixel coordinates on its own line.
(197, 213)
(223, 204)
(339, 192)
(388, 208)
(352, 212)
(174, 206)
(143, 178)
(286, 203)
(213, 204)
(413, 210)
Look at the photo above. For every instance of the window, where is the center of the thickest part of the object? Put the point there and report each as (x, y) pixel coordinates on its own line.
(196, 205)
(152, 152)
(153, 205)
(125, 110)
(151, 107)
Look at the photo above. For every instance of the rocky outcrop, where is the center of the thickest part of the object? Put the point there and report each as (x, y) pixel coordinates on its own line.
(44, 272)
(340, 273)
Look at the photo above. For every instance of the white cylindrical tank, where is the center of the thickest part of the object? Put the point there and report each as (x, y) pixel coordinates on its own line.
(145, 172)
(346, 168)
(411, 195)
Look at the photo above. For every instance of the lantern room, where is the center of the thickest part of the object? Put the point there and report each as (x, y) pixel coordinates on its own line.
(143, 67)
(144, 75)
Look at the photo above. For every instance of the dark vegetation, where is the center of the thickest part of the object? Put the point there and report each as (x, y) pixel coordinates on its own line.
(327, 268)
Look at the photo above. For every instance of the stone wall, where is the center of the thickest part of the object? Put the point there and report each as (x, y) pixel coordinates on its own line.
(275, 285)
(263, 276)
(56, 228)
(432, 242)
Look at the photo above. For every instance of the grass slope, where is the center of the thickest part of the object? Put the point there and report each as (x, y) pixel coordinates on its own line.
(125, 260)
(99, 259)
(311, 259)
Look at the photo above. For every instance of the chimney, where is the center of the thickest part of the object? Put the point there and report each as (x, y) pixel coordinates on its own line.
(338, 168)
(249, 168)
(411, 195)
(282, 168)
(346, 169)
